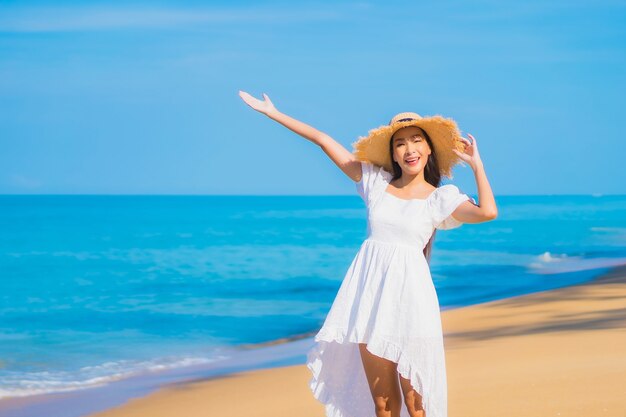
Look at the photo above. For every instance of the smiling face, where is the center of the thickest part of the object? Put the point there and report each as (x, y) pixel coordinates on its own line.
(410, 149)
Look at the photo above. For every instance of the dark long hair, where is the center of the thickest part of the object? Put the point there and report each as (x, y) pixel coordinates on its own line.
(432, 175)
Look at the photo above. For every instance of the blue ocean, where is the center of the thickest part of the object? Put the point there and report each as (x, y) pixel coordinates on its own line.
(97, 288)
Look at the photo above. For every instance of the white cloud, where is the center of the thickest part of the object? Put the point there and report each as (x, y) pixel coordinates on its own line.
(62, 19)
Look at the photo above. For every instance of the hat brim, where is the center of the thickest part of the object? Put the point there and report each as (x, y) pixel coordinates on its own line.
(443, 132)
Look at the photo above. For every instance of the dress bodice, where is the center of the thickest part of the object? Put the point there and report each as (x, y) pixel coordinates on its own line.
(405, 221)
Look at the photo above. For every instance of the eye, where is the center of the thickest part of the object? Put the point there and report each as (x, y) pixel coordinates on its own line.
(399, 144)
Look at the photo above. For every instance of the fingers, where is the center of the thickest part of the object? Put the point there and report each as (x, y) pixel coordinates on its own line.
(474, 143)
(245, 96)
(250, 101)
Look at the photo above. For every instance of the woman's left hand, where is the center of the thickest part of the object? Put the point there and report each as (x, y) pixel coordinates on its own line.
(470, 153)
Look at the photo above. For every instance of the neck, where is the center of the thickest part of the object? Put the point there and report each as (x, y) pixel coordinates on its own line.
(411, 179)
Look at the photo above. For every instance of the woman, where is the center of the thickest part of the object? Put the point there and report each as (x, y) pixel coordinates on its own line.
(382, 338)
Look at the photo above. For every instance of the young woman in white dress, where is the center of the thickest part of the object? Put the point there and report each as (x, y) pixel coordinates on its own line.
(408, 154)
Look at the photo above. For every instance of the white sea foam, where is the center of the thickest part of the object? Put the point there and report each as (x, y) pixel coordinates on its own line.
(548, 263)
(549, 257)
(23, 384)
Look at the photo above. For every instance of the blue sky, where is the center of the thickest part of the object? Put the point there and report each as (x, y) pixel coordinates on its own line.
(141, 98)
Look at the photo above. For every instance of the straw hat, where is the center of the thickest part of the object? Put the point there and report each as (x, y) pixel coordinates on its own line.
(443, 132)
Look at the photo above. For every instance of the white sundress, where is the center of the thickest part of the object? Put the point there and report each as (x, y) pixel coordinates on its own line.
(387, 300)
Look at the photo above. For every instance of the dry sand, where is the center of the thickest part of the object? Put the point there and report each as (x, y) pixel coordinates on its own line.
(555, 353)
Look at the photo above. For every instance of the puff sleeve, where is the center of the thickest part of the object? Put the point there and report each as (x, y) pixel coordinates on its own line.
(445, 200)
(374, 180)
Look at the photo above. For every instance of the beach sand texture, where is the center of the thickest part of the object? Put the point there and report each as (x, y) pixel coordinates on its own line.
(560, 352)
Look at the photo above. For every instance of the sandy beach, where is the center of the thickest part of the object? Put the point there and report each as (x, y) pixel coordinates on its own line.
(553, 353)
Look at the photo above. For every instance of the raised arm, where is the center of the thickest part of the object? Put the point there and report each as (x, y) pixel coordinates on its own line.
(486, 210)
(342, 157)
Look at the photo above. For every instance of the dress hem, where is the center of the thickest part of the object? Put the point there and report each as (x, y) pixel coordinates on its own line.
(377, 345)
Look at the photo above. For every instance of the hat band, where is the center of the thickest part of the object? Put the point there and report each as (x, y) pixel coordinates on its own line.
(406, 119)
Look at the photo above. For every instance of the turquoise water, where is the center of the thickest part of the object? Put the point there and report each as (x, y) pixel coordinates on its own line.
(98, 288)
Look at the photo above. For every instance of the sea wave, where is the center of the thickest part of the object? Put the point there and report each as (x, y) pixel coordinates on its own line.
(548, 263)
(23, 384)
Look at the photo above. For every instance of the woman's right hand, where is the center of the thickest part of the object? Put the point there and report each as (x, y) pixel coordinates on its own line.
(264, 107)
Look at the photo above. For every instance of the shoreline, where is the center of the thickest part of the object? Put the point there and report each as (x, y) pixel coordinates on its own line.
(523, 355)
(284, 361)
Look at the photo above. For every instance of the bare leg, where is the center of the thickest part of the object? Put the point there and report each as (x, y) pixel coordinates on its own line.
(412, 399)
(382, 377)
